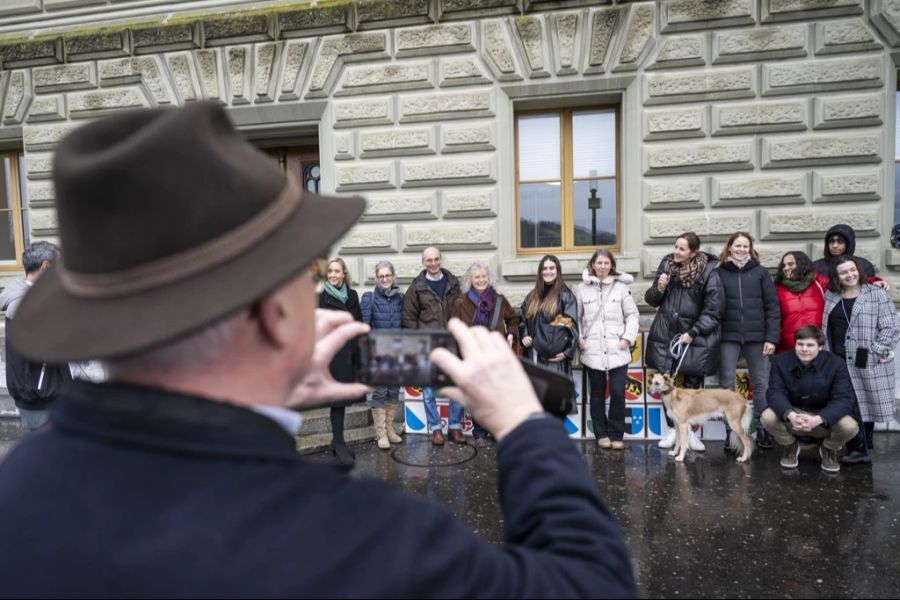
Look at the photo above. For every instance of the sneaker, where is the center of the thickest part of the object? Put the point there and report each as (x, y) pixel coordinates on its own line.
(830, 462)
(668, 440)
(854, 457)
(617, 445)
(694, 442)
(790, 455)
(604, 443)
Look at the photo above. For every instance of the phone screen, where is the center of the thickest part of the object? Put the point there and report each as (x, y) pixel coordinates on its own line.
(401, 357)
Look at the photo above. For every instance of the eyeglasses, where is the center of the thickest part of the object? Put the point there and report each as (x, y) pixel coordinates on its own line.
(387, 276)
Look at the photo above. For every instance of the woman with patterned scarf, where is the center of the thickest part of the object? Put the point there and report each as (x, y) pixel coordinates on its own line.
(690, 301)
(480, 304)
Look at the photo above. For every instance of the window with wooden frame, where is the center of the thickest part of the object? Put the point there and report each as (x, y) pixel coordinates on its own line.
(303, 162)
(14, 209)
(567, 171)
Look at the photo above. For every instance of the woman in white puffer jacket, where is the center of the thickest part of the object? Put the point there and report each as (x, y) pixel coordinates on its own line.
(608, 319)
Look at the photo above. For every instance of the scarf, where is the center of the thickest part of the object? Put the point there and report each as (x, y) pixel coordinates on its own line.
(340, 293)
(798, 285)
(394, 289)
(484, 305)
(740, 264)
(688, 273)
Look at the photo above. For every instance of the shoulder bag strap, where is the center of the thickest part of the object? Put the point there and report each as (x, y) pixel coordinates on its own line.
(495, 318)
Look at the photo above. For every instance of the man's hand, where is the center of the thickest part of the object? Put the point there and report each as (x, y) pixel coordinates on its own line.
(490, 380)
(334, 328)
(804, 423)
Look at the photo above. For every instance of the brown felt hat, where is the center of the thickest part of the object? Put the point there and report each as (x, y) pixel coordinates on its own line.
(168, 221)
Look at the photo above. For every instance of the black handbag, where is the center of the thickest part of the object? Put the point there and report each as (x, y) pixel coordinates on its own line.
(550, 340)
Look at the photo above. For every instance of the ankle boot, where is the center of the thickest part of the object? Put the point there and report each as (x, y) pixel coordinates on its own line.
(381, 438)
(390, 411)
(342, 454)
(870, 434)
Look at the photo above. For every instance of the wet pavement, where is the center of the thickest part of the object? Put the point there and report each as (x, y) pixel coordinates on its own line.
(706, 528)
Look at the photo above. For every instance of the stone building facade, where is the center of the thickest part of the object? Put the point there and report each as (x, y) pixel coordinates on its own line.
(771, 116)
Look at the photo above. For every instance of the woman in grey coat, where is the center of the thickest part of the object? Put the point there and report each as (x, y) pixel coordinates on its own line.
(861, 326)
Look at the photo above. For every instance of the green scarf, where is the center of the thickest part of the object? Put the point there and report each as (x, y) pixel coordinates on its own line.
(339, 293)
(798, 285)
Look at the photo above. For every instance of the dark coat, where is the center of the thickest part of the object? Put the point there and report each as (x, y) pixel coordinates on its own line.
(135, 491)
(696, 310)
(33, 385)
(568, 307)
(422, 309)
(342, 363)
(381, 311)
(752, 313)
(823, 265)
(822, 387)
(508, 323)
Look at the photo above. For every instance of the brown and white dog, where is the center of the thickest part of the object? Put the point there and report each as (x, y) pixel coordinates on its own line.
(686, 406)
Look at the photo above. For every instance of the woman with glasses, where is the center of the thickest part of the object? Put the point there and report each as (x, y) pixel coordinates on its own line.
(382, 309)
(337, 295)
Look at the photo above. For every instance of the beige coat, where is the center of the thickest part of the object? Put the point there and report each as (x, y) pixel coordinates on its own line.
(618, 321)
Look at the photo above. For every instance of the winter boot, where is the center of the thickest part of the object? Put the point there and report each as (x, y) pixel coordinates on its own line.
(381, 438)
(390, 413)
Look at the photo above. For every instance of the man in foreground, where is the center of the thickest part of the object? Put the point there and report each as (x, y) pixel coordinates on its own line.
(180, 477)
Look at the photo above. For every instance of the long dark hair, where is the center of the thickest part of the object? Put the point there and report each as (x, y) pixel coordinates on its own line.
(549, 303)
(607, 254)
(835, 284)
(804, 266)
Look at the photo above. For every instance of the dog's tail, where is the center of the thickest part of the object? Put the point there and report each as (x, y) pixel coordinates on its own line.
(734, 441)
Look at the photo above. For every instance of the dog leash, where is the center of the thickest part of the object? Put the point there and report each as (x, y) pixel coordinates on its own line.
(678, 349)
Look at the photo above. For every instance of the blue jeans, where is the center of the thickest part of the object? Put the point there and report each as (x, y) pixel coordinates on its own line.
(434, 417)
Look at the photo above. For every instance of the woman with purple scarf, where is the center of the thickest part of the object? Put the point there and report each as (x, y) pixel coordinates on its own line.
(480, 304)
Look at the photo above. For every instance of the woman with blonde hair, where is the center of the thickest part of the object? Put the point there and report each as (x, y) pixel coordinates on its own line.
(608, 322)
(337, 295)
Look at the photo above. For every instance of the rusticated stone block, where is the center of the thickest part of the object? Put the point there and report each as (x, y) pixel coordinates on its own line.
(469, 202)
(356, 46)
(16, 7)
(669, 124)
(806, 10)
(603, 26)
(885, 16)
(314, 20)
(685, 15)
(498, 51)
(237, 29)
(841, 111)
(664, 88)
(822, 150)
(47, 108)
(366, 239)
(183, 75)
(377, 13)
(763, 43)
(43, 222)
(165, 38)
(41, 194)
(711, 226)
(465, 236)
(686, 158)
(757, 190)
(238, 74)
(367, 176)
(447, 172)
(208, 73)
(39, 166)
(294, 56)
(563, 31)
(397, 142)
(357, 113)
(805, 223)
(97, 45)
(439, 107)
(760, 117)
(847, 186)
(638, 36)
(467, 138)
(680, 51)
(434, 39)
(18, 96)
(368, 79)
(461, 71)
(460, 9)
(344, 148)
(266, 59)
(29, 54)
(823, 75)
(400, 206)
(45, 137)
(106, 101)
(852, 35)
(131, 70)
(675, 193)
(80, 76)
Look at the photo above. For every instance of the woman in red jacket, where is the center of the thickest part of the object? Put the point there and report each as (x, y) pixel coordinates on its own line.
(801, 293)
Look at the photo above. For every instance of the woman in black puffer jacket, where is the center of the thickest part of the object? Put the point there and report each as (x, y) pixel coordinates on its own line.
(752, 322)
(690, 301)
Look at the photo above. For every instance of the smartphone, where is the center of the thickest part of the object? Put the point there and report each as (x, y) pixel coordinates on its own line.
(402, 357)
(862, 358)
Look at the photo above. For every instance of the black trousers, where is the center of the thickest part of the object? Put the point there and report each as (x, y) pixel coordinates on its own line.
(613, 426)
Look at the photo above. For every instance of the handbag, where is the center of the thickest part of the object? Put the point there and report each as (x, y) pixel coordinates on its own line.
(552, 339)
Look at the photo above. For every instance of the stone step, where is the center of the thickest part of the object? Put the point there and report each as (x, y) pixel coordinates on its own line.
(315, 434)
